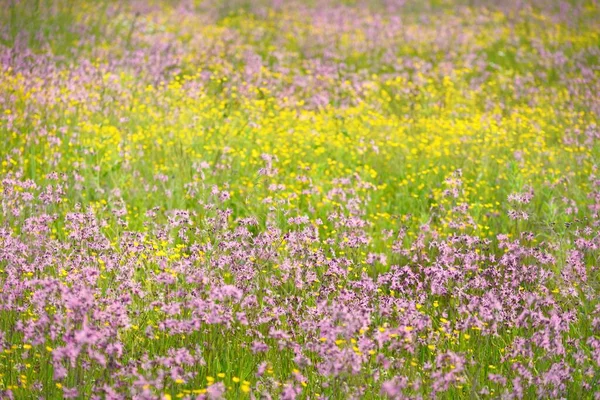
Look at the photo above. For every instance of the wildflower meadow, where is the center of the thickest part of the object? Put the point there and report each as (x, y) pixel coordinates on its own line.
(326, 199)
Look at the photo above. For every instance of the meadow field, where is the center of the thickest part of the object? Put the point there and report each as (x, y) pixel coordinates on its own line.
(326, 199)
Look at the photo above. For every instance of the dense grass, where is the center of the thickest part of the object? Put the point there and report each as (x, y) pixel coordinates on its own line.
(158, 160)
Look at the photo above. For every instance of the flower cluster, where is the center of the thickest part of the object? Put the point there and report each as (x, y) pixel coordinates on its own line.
(265, 199)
